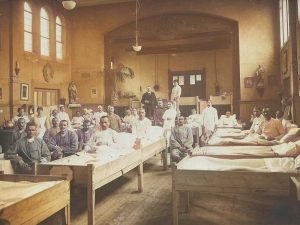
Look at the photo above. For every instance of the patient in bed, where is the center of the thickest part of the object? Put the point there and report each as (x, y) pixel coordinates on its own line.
(195, 120)
(271, 128)
(106, 136)
(228, 120)
(141, 128)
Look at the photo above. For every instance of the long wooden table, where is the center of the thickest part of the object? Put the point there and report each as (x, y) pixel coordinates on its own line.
(238, 182)
(93, 175)
(28, 200)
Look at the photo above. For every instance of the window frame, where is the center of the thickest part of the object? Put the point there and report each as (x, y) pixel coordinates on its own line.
(61, 39)
(45, 36)
(27, 9)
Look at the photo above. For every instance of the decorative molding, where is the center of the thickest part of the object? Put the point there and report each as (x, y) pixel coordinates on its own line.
(48, 72)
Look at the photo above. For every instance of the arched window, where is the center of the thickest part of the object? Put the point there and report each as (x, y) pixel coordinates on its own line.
(284, 21)
(59, 39)
(45, 33)
(27, 27)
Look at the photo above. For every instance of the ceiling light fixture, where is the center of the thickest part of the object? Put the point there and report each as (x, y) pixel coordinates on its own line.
(69, 5)
(136, 47)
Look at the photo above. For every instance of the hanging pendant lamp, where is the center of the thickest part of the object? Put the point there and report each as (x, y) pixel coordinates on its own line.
(136, 47)
(69, 5)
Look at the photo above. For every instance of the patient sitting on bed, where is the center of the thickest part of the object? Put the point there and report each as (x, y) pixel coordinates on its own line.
(271, 128)
(195, 120)
(142, 126)
(181, 140)
(105, 136)
(228, 120)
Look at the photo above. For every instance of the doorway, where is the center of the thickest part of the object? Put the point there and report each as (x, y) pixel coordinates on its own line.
(192, 82)
(47, 98)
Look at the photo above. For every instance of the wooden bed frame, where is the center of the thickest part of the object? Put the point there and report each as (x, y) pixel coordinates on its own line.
(94, 176)
(262, 183)
(45, 202)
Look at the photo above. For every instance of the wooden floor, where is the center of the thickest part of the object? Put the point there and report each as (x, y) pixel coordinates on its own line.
(118, 204)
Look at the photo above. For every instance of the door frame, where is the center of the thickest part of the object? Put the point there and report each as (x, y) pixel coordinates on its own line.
(186, 73)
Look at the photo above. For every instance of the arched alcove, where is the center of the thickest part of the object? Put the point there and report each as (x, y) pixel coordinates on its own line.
(175, 42)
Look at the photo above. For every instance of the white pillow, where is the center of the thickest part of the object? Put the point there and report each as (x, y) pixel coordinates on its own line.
(293, 132)
(291, 126)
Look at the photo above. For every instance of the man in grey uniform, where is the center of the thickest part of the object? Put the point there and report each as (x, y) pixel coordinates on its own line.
(181, 140)
(27, 151)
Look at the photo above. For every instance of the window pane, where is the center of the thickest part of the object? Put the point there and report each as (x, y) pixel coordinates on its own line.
(281, 23)
(45, 33)
(27, 28)
(28, 41)
(284, 20)
(44, 14)
(59, 53)
(58, 33)
(298, 3)
(45, 28)
(58, 20)
(28, 21)
(45, 46)
(27, 7)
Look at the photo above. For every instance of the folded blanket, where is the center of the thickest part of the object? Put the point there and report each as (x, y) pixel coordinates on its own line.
(280, 164)
(285, 149)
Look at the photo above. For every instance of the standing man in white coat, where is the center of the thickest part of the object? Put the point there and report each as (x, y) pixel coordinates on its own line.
(175, 96)
(210, 119)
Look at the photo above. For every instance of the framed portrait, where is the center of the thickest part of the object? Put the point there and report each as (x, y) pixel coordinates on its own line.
(272, 80)
(249, 82)
(94, 93)
(24, 92)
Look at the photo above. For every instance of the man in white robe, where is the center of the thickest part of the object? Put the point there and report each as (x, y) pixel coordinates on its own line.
(142, 125)
(62, 115)
(257, 121)
(210, 119)
(104, 136)
(175, 95)
(228, 120)
(169, 120)
(97, 115)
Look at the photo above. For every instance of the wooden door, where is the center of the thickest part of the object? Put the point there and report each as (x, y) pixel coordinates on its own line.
(192, 83)
(47, 98)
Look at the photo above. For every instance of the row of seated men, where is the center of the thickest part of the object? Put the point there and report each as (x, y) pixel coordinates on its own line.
(59, 140)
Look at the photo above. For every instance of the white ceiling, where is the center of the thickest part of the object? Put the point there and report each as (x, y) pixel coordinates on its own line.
(99, 2)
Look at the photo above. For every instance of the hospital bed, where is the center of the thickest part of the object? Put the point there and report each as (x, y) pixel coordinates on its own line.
(270, 176)
(94, 171)
(233, 152)
(26, 199)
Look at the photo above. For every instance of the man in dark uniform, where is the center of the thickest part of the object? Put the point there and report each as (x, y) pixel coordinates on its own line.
(150, 102)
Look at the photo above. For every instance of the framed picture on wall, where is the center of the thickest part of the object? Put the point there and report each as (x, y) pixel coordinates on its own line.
(249, 82)
(24, 92)
(94, 93)
(0, 93)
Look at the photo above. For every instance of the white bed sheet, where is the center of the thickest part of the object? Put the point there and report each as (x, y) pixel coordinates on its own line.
(258, 165)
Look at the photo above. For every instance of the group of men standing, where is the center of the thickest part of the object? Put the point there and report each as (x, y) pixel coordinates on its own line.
(150, 102)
